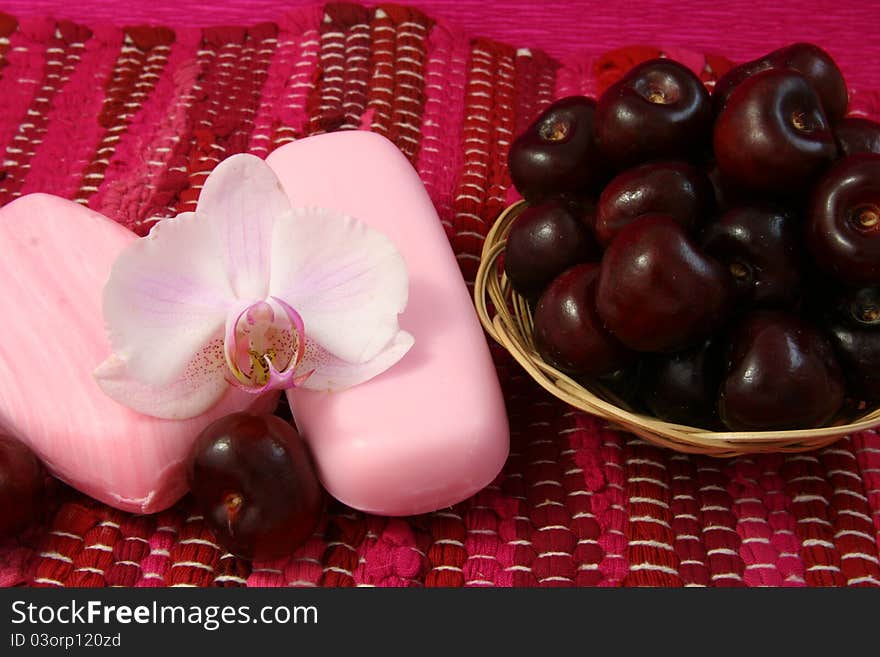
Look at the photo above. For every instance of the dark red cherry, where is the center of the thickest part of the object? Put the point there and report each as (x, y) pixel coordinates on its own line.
(22, 487)
(726, 194)
(253, 480)
(857, 135)
(622, 387)
(854, 329)
(808, 59)
(674, 188)
(659, 110)
(683, 387)
(556, 155)
(760, 245)
(545, 240)
(568, 332)
(772, 135)
(657, 290)
(782, 374)
(843, 224)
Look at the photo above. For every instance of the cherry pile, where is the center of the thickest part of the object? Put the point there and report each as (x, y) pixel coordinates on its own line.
(711, 258)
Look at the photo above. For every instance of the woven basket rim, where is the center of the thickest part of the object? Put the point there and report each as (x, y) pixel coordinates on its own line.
(510, 326)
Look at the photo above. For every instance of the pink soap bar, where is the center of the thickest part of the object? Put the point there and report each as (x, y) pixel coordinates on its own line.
(432, 430)
(56, 257)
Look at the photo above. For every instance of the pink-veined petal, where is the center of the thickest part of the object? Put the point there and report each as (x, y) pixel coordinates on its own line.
(197, 390)
(347, 281)
(326, 372)
(242, 198)
(166, 296)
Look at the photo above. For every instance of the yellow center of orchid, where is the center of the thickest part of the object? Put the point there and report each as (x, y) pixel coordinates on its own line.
(264, 346)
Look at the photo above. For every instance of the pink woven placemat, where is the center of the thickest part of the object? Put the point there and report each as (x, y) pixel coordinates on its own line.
(129, 120)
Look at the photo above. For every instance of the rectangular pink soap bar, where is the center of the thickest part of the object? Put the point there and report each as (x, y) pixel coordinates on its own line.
(433, 429)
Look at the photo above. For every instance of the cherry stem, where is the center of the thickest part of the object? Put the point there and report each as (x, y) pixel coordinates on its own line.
(657, 96)
(233, 503)
(555, 131)
(870, 314)
(739, 270)
(800, 121)
(868, 217)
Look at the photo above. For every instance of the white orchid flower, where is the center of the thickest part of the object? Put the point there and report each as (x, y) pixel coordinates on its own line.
(252, 292)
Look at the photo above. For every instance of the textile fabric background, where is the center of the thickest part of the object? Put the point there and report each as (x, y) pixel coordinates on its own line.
(128, 119)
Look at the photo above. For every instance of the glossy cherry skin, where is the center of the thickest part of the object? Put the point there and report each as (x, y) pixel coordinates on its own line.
(727, 195)
(854, 330)
(843, 223)
(22, 486)
(253, 480)
(657, 290)
(568, 332)
(857, 135)
(761, 247)
(808, 59)
(659, 110)
(556, 155)
(674, 188)
(782, 374)
(545, 240)
(683, 387)
(772, 136)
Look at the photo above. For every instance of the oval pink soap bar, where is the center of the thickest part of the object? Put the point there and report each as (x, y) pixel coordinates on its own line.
(432, 430)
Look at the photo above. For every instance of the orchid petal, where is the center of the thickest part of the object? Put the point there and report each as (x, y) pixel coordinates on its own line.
(346, 280)
(197, 390)
(322, 371)
(166, 296)
(242, 198)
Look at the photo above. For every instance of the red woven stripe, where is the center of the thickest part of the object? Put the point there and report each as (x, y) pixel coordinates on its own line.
(760, 557)
(194, 557)
(156, 565)
(535, 85)
(293, 110)
(344, 532)
(141, 61)
(231, 572)
(651, 554)
(851, 516)
(686, 521)
(282, 102)
(62, 55)
(489, 122)
(811, 494)
(340, 92)
(304, 568)
(96, 556)
(784, 538)
(447, 555)
(129, 550)
(517, 554)
(408, 83)
(720, 536)
(8, 25)
(63, 544)
(581, 475)
(552, 539)
(867, 450)
(231, 88)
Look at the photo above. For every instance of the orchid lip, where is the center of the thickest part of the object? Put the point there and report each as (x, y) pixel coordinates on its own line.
(257, 338)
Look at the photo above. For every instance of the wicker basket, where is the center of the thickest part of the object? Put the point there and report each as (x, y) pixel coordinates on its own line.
(511, 326)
